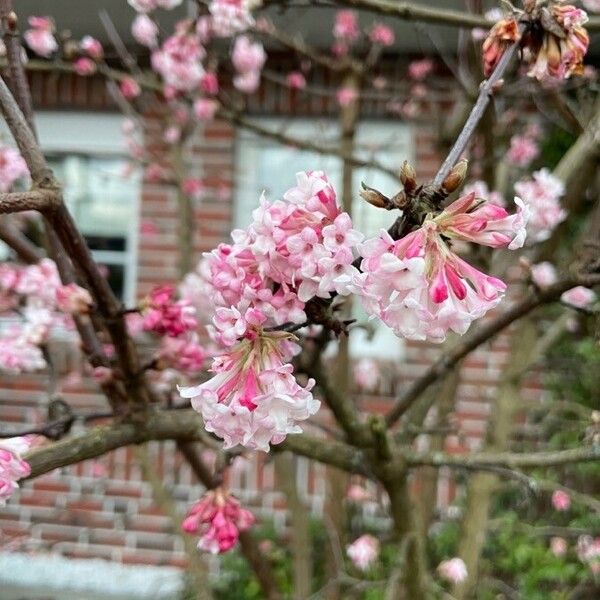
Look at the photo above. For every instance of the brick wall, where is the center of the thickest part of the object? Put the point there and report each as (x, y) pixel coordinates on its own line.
(103, 508)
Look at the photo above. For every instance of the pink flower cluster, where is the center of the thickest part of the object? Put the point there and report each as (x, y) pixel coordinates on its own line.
(419, 287)
(253, 399)
(178, 60)
(523, 149)
(12, 167)
(588, 552)
(345, 27)
(382, 34)
(229, 17)
(453, 570)
(561, 501)
(145, 31)
(219, 518)
(164, 315)
(40, 38)
(43, 304)
(294, 249)
(542, 195)
(363, 552)
(248, 59)
(185, 354)
(12, 466)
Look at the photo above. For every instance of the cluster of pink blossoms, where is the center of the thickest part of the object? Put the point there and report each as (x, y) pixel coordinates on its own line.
(542, 196)
(40, 38)
(42, 303)
(254, 399)
(164, 315)
(219, 518)
(12, 466)
(248, 59)
(453, 570)
(363, 552)
(419, 287)
(179, 60)
(230, 17)
(12, 167)
(294, 249)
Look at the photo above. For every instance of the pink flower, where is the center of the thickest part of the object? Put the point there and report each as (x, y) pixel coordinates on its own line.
(84, 66)
(73, 299)
(253, 399)
(363, 552)
(145, 31)
(588, 551)
(367, 373)
(40, 38)
(346, 26)
(504, 33)
(542, 196)
(12, 167)
(130, 88)
(543, 274)
(165, 316)
(230, 17)
(247, 55)
(346, 96)
(579, 296)
(219, 518)
(453, 570)
(381, 34)
(248, 59)
(209, 84)
(419, 69)
(183, 354)
(12, 466)
(561, 501)
(205, 109)
(193, 187)
(357, 493)
(558, 546)
(178, 61)
(92, 47)
(419, 287)
(296, 80)
(172, 134)
(522, 150)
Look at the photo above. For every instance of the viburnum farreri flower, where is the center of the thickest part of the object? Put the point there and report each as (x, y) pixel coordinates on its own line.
(253, 398)
(12, 466)
(419, 287)
(220, 518)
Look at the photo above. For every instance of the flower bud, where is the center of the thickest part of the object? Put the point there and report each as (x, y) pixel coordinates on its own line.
(408, 177)
(374, 197)
(456, 177)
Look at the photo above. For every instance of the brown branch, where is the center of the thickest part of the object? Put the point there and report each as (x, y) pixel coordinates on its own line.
(506, 460)
(40, 200)
(185, 425)
(26, 250)
(486, 92)
(478, 337)
(408, 11)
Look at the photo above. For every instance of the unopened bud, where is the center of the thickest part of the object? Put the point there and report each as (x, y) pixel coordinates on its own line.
(374, 197)
(408, 177)
(456, 177)
(12, 21)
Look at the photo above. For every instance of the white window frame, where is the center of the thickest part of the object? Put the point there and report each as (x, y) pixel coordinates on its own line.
(95, 135)
(384, 345)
